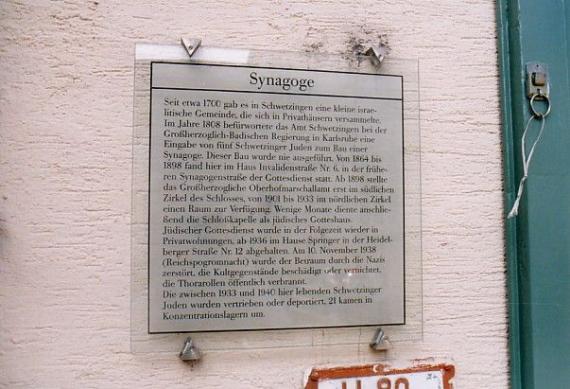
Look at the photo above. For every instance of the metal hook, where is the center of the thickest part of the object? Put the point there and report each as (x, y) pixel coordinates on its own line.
(536, 113)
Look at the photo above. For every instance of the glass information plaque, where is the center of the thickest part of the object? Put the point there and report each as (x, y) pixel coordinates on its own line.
(274, 194)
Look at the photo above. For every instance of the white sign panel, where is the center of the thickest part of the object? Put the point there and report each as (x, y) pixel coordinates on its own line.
(276, 199)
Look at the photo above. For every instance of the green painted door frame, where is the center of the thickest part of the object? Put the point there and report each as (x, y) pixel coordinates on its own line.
(538, 240)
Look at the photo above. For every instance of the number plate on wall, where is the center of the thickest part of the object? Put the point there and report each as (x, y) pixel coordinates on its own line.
(380, 377)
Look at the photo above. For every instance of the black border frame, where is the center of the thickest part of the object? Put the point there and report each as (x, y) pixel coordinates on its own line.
(152, 63)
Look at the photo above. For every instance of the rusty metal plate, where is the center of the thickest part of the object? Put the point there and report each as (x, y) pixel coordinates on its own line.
(383, 377)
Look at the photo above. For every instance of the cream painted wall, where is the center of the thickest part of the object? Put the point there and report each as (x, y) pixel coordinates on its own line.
(65, 125)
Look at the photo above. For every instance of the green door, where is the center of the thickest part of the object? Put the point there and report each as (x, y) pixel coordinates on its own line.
(538, 240)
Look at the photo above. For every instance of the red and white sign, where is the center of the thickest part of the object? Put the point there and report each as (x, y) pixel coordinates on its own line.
(382, 377)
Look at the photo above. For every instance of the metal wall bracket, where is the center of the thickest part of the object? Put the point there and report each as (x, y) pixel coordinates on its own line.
(537, 80)
(376, 54)
(189, 351)
(191, 45)
(380, 341)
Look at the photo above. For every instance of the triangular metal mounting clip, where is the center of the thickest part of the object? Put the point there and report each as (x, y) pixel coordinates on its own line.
(191, 45)
(377, 54)
(380, 341)
(189, 351)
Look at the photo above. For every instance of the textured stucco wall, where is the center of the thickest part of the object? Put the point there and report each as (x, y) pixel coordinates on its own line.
(65, 126)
